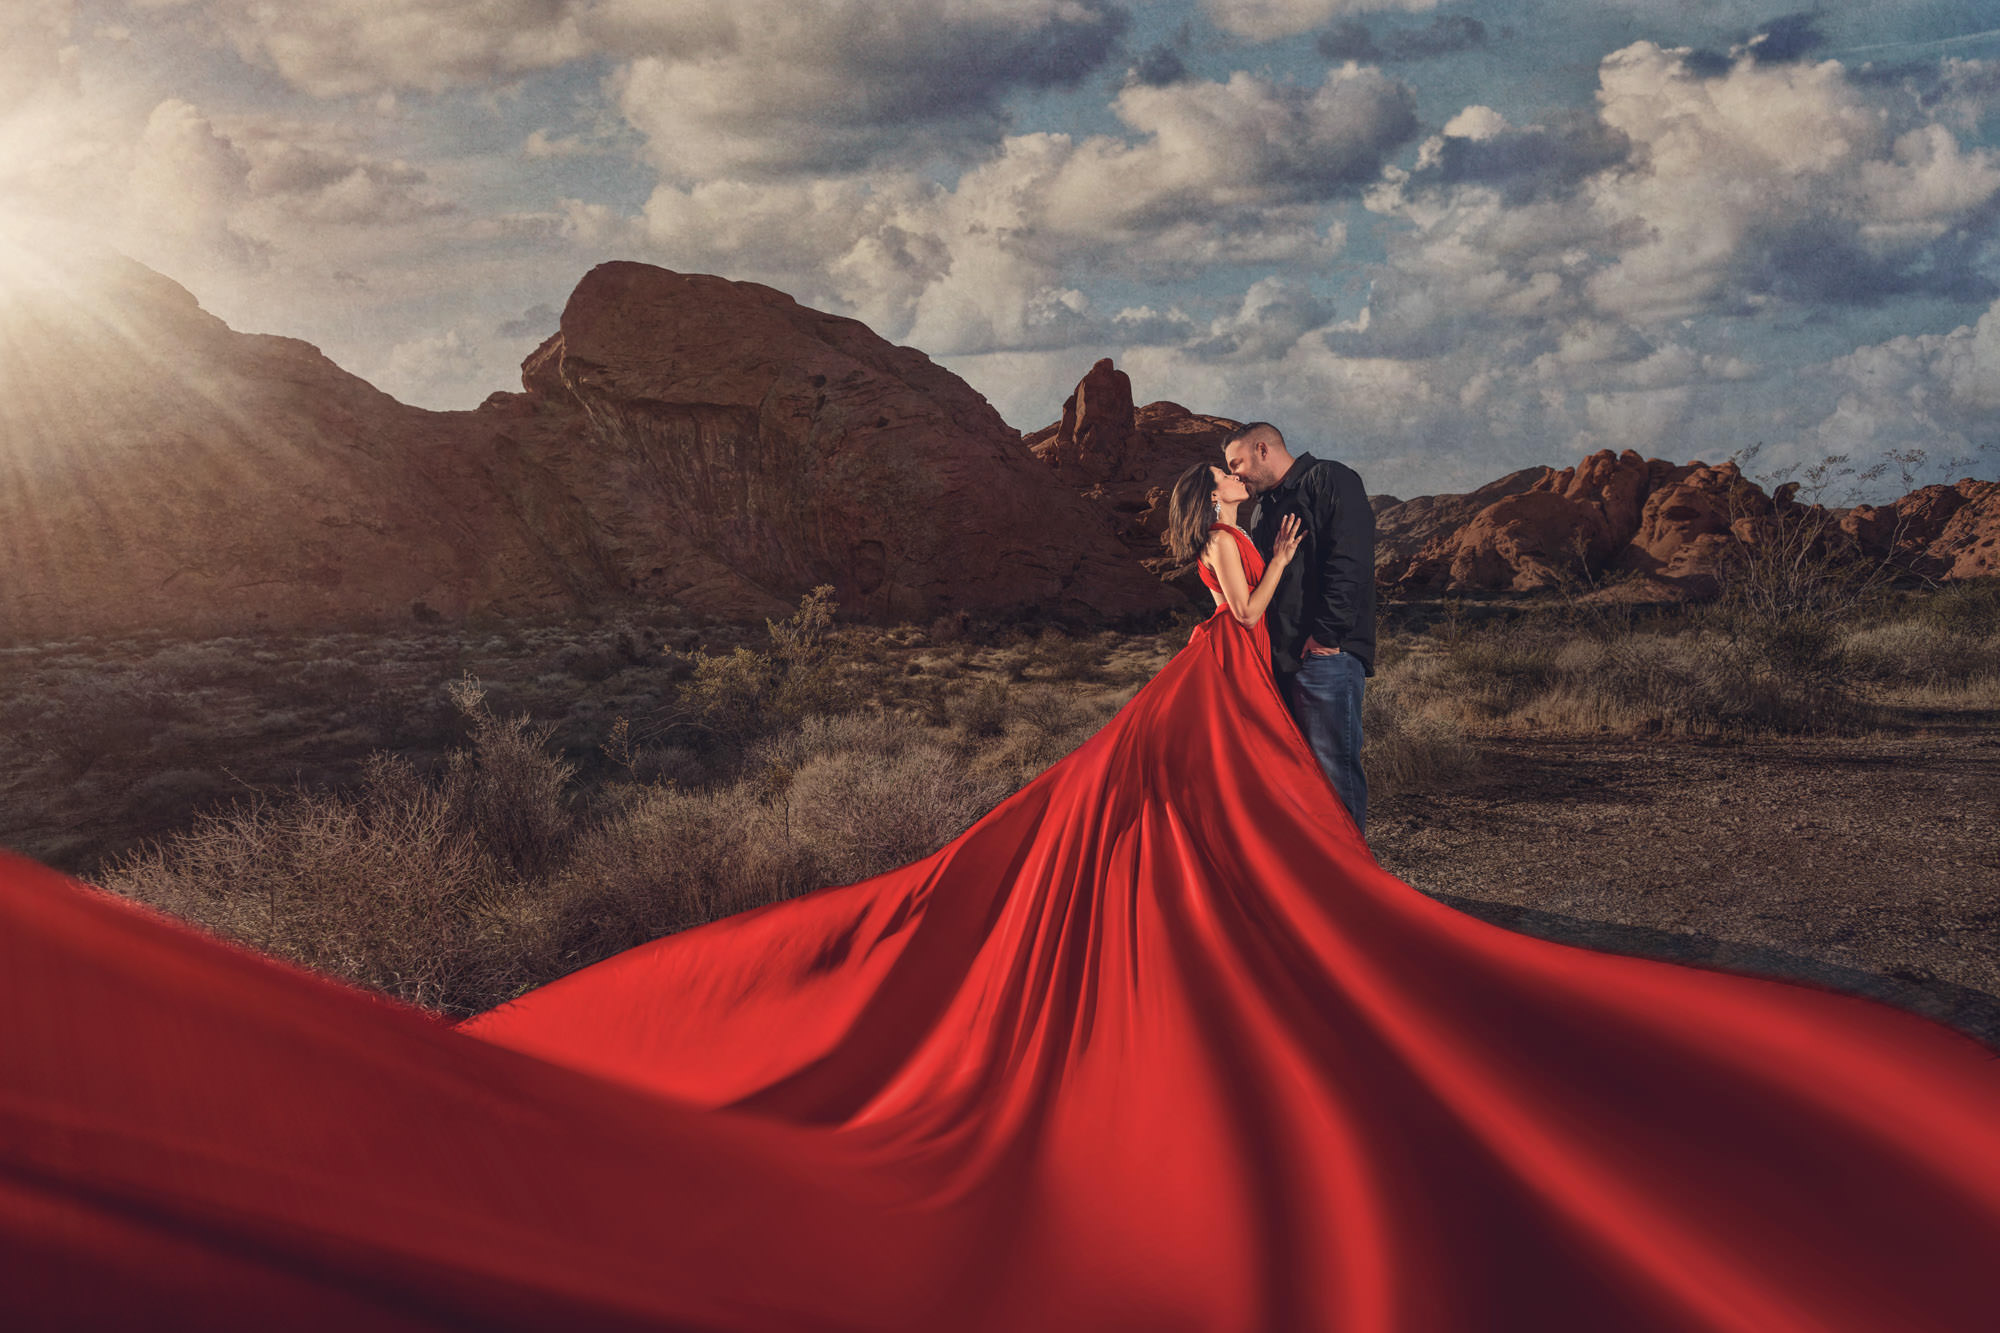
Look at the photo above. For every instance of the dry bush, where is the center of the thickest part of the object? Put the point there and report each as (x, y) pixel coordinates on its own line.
(734, 699)
(1970, 607)
(670, 860)
(337, 680)
(1499, 670)
(985, 709)
(1918, 652)
(416, 885)
(507, 791)
(386, 891)
(1044, 723)
(858, 813)
(1065, 658)
(1405, 749)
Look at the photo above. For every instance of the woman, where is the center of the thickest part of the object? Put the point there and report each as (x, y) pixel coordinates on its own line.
(1204, 490)
(1155, 1044)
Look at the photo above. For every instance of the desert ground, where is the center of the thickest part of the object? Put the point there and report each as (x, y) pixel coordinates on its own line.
(456, 813)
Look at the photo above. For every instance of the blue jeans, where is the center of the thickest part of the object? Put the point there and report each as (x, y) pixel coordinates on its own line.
(1324, 695)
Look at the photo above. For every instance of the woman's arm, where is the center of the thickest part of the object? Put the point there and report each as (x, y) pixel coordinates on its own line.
(1245, 603)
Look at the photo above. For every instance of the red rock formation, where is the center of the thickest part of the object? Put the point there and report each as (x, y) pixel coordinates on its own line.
(1693, 518)
(1405, 528)
(164, 471)
(1127, 483)
(1668, 527)
(682, 438)
(1098, 423)
(1968, 545)
(740, 441)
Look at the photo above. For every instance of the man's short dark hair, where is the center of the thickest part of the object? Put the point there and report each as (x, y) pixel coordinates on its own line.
(1253, 428)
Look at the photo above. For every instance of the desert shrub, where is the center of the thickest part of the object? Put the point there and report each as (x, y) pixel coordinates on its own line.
(670, 860)
(1710, 684)
(950, 627)
(730, 694)
(337, 680)
(426, 886)
(589, 662)
(859, 813)
(1044, 723)
(507, 791)
(1919, 652)
(386, 891)
(1404, 749)
(733, 699)
(984, 709)
(1499, 669)
(86, 720)
(1065, 658)
(803, 635)
(1970, 607)
(877, 734)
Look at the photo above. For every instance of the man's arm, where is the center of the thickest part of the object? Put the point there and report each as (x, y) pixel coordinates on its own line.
(1346, 552)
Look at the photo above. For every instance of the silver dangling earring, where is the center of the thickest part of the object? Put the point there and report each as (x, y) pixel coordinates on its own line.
(1216, 509)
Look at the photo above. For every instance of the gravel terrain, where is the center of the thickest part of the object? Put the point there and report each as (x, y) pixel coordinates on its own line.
(1868, 864)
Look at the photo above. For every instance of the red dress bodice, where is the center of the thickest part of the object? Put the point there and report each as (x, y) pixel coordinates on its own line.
(1253, 561)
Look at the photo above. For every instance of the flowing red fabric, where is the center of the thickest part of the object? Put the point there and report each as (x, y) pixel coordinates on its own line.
(1156, 1045)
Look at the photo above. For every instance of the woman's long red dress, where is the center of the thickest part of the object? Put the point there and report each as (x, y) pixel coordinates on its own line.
(1155, 1045)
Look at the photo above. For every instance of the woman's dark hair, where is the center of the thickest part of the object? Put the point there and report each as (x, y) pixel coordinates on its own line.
(1188, 514)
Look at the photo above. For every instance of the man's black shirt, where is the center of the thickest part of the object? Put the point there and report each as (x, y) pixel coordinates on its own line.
(1328, 591)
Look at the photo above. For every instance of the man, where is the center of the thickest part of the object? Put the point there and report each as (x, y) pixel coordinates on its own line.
(1322, 617)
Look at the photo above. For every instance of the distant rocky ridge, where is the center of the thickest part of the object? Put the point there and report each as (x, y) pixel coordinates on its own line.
(1665, 529)
(682, 438)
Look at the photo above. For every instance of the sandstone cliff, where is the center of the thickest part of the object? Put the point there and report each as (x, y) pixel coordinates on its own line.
(680, 438)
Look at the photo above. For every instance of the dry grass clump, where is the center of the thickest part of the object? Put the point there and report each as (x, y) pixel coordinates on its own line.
(1405, 749)
(1718, 671)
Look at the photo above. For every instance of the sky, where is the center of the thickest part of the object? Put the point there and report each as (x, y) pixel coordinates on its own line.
(1437, 241)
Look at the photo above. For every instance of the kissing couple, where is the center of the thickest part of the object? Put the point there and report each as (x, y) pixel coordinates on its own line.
(1304, 566)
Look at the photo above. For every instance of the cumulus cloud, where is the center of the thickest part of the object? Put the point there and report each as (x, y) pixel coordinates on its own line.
(436, 368)
(716, 87)
(38, 54)
(1936, 391)
(1267, 20)
(1213, 172)
(1682, 196)
(832, 89)
(1779, 181)
(1447, 34)
(1157, 67)
(334, 48)
(325, 182)
(187, 185)
(1276, 312)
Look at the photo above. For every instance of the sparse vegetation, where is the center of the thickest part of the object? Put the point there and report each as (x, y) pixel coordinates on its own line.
(458, 815)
